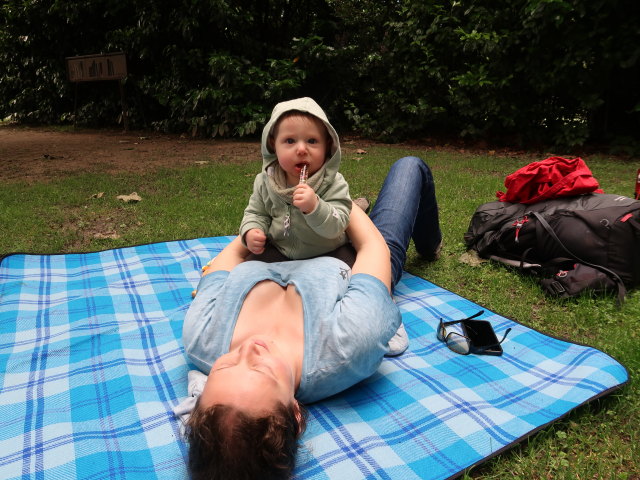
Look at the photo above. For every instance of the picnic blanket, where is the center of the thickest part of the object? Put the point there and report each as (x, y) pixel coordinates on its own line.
(91, 365)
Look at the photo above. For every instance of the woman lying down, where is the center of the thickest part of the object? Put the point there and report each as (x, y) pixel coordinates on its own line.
(271, 337)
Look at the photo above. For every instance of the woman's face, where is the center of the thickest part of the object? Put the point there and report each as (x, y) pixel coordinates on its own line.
(253, 377)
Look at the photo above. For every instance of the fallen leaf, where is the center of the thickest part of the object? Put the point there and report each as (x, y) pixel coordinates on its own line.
(97, 195)
(201, 162)
(471, 258)
(361, 151)
(134, 197)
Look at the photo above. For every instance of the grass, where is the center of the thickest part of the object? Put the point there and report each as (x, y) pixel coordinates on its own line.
(599, 440)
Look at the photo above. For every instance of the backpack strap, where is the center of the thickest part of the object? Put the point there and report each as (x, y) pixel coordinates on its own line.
(622, 291)
(520, 264)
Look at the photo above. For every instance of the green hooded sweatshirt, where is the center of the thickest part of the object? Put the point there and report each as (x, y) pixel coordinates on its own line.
(294, 234)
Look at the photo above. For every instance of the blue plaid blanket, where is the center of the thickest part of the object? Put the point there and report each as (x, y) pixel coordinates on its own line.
(91, 365)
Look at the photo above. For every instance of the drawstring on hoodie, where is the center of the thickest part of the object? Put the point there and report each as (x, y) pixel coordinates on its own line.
(287, 222)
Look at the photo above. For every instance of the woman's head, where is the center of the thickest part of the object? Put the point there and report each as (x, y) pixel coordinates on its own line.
(253, 377)
(247, 421)
(227, 443)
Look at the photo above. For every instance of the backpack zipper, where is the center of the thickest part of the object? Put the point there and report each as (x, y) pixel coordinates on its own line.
(518, 224)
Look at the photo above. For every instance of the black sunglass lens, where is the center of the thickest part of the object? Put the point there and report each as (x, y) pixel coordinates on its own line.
(458, 343)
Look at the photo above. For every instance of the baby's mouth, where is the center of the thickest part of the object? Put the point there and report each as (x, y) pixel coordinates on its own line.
(300, 165)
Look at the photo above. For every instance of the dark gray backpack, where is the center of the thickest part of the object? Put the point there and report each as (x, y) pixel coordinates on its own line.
(573, 243)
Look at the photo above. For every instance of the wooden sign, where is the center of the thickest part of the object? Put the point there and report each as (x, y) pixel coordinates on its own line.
(89, 68)
(92, 68)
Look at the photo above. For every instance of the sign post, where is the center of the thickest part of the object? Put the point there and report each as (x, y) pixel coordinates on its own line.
(92, 68)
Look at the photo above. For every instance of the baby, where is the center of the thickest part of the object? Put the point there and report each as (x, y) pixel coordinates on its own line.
(300, 204)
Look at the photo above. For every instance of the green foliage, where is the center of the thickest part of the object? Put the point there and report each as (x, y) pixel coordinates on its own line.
(558, 72)
(553, 71)
(208, 67)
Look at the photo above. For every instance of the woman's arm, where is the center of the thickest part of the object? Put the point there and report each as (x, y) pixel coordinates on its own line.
(230, 256)
(373, 255)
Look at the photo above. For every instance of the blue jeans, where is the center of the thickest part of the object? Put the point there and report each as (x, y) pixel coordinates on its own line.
(406, 208)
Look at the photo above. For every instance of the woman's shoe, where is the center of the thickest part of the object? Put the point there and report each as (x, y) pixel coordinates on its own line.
(363, 203)
(398, 343)
(432, 257)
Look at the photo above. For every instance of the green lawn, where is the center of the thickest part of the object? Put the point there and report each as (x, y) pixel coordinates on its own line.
(597, 441)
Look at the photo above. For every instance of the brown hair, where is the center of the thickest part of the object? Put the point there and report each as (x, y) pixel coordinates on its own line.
(226, 443)
(271, 139)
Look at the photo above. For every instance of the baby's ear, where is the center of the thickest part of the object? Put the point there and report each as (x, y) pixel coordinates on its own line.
(271, 144)
(328, 153)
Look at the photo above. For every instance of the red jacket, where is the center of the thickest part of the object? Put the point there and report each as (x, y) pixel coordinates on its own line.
(550, 178)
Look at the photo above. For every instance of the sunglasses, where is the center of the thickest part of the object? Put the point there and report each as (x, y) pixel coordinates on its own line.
(478, 336)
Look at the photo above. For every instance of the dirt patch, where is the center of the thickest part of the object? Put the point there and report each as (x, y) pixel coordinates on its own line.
(41, 154)
(85, 227)
(37, 154)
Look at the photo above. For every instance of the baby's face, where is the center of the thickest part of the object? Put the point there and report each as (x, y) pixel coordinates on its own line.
(300, 141)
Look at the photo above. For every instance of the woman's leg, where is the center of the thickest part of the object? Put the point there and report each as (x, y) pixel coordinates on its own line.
(406, 208)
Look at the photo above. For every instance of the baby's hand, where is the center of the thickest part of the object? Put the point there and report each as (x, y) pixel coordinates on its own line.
(305, 198)
(255, 240)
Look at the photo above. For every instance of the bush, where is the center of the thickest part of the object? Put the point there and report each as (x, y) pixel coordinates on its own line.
(561, 72)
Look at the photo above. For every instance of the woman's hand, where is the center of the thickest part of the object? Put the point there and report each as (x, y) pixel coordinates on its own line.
(305, 198)
(373, 255)
(230, 256)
